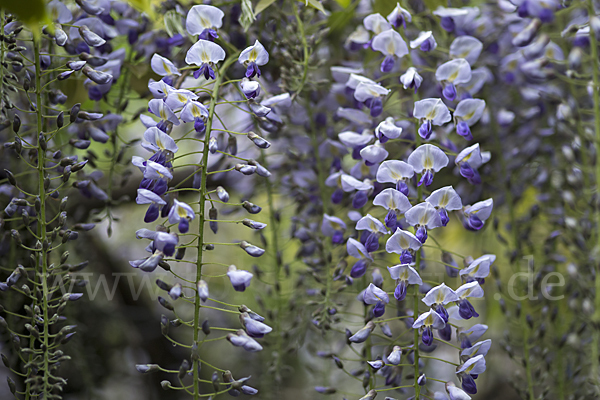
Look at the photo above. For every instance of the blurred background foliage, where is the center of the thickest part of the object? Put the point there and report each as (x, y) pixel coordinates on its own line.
(120, 327)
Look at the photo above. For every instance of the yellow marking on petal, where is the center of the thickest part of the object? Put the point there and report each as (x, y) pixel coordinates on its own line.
(181, 212)
(404, 275)
(159, 143)
(432, 114)
(166, 67)
(428, 162)
(196, 112)
(204, 57)
(391, 48)
(403, 242)
(444, 200)
(452, 77)
(204, 22)
(253, 55)
(429, 320)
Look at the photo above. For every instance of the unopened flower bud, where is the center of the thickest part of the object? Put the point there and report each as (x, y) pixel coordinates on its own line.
(16, 236)
(10, 177)
(16, 123)
(74, 112)
(245, 169)
(251, 208)
(90, 37)
(206, 327)
(183, 369)
(165, 303)
(202, 287)
(42, 142)
(60, 120)
(259, 141)
(213, 146)
(232, 145)
(222, 194)
(253, 224)
(147, 368)
(99, 77)
(213, 215)
(525, 37)
(251, 249)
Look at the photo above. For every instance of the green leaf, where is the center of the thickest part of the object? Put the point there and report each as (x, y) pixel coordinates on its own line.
(316, 4)
(247, 17)
(173, 23)
(31, 12)
(144, 6)
(262, 5)
(434, 4)
(344, 3)
(384, 7)
(338, 20)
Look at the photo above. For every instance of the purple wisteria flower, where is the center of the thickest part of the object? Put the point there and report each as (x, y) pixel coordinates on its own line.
(445, 199)
(404, 275)
(204, 20)
(438, 297)
(426, 160)
(391, 45)
(427, 322)
(240, 279)
(357, 250)
(430, 112)
(404, 243)
(252, 57)
(181, 214)
(205, 54)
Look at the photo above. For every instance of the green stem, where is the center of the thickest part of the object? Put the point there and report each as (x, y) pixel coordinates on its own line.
(114, 141)
(278, 264)
(416, 297)
(595, 370)
(517, 246)
(41, 218)
(201, 212)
